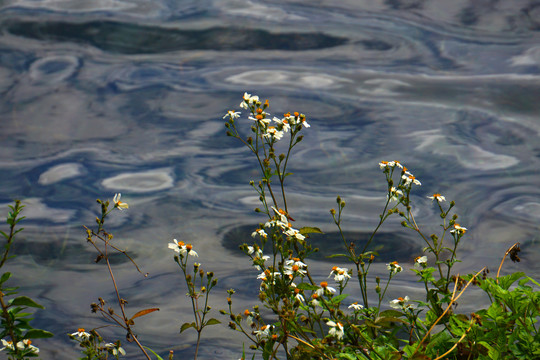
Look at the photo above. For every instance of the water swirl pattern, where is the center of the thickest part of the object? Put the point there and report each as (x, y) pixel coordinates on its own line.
(115, 96)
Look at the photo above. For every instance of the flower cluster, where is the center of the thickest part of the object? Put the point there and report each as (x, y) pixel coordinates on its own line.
(394, 268)
(257, 256)
(115, 349)
(458, 229)
(25, 344)
(336, 329)
(281, 221)
(270, 129)
(340, 274)
(182, 249)
(294, 267)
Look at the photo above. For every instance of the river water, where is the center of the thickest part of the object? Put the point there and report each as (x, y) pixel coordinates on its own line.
(115, 96)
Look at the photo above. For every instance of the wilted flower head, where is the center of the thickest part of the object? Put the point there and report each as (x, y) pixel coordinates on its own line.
(7, 344)
(118, 204)
(259, 232)
(264, 331)
(336, 329)
(420, 261)
(115, 349)
(394, 194)
(460, 230)
(394, 267)
(399, 303)
(232, 114)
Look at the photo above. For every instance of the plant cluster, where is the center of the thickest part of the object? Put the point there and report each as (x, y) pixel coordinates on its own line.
(300, 315)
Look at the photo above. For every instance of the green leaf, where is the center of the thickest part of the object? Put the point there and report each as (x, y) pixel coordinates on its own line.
(310, 230)
(508, 280)
(212, 322)
(336, 255)
(347, 356)
(391, 313)
(187, 326)
(5, 277)
(25, 301)
(386, 320)
(38, 334)
(338, 298)
(153, 352)
(306, 286)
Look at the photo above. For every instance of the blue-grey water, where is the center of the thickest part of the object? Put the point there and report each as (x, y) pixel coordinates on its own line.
(108, 96)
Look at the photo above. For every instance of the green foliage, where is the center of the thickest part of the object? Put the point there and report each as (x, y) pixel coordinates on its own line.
(298, 316)
(16, 331)
(309, 320)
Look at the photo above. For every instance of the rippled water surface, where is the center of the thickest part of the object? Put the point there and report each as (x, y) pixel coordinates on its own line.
(108, 96)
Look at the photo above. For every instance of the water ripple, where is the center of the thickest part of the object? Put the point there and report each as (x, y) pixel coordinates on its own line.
(129, 38)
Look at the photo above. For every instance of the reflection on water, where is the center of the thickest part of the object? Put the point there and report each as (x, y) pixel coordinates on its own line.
(113, 96)
(390, 246)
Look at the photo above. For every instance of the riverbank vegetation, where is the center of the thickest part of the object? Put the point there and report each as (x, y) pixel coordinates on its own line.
(298, 315)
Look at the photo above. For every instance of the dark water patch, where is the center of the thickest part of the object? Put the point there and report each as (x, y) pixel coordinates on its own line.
(468, 16)
(125, 38)
(61, 253)
(391, 246)
(377, 45)
(405, 4)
